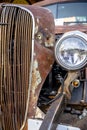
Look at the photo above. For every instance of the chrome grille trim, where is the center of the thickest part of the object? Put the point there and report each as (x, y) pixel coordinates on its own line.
(4, 29)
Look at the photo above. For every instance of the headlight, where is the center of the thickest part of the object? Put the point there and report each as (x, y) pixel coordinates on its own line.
(71, 50)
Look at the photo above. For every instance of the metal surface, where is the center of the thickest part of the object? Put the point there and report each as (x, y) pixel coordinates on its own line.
(47, 2)
(44, 26)
(84, 98)
(57, 107)
(43, 60)
(72, 75)
(51, 119)
(19, 94)
(65, 127)
(34, 124)
(43, 53)
(64, 28)
(16, 58)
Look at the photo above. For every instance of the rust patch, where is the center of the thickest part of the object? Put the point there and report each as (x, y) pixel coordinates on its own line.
(18, 80)
(43, 35)
(44, 26)
(43, 60)
(43, 57)
(35, 76)
(65, 28)
(72, 75)
(39, 114)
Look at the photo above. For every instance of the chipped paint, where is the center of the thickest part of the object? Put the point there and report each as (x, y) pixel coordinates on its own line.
(37, 20)
(41, 67)
(39, 113)
(44, 27)
(50, 41)
(36, 29)
(35, 76)
(49, 45)
(45, 38)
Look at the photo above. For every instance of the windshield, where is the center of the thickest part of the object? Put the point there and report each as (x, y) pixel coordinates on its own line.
(69, 13)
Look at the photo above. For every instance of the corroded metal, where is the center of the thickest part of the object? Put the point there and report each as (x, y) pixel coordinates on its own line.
(43, 60)
(52, 117)
(63, 29)
(44, 26)
(47, 2)
(72, 75)
(39, 114)
(50, 121)
(18, 93)
(43, 57)
(15, 62)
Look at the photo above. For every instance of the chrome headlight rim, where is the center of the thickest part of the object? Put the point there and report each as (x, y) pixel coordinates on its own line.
(72, 34)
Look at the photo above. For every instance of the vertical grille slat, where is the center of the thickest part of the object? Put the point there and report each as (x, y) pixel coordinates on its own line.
(15, 62)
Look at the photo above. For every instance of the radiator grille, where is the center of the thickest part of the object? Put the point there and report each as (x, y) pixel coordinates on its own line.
(15, 62)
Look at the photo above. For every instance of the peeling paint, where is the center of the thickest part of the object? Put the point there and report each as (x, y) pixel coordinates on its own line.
(34, 54)
(35, 76)
(43, 60)
(49, 45)
(39, 113)
(50, 41)
(36, 29)
(38, 20)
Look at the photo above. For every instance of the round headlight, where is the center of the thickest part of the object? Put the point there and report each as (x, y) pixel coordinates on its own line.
(71, 50)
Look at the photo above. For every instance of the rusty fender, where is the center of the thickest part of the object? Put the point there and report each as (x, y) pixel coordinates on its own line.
(42, 57)
(43, 60)
(43, 54)
(44, 26)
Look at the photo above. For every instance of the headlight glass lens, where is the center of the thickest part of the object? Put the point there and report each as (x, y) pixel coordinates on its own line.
(71, 52)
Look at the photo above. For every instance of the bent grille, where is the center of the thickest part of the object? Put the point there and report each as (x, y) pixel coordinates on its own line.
(15, 64)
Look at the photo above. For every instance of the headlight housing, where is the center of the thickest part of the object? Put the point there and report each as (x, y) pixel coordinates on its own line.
(71, 50)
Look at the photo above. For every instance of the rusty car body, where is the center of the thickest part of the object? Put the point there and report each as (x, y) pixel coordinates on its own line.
(70, 20)
(25, 61)
(43, 66)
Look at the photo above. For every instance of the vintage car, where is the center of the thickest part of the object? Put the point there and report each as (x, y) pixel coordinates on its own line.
(70, 27)
(26, 58)
(43, 73)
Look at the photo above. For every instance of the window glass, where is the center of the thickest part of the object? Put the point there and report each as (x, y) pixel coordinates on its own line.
(53, 9)
(69, 13)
